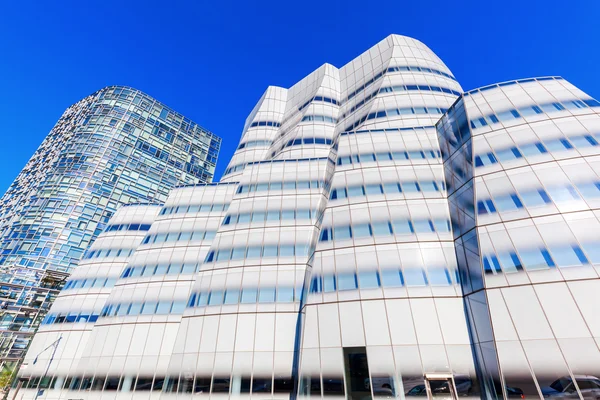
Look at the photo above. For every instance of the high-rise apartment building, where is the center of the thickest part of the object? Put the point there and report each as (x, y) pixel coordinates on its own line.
(378, 233)
(115, 147)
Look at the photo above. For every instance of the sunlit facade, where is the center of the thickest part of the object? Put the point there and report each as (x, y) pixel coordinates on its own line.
(378, 233)
(115, 147)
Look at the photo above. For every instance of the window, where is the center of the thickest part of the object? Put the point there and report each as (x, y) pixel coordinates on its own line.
(414, 277)
(508, 154)
(368, 279)
(249, 296)
(562, 194)
(510, 262)
(568, 256)
(558, 145)
(361, 231)
(536, 259)
(381, 228)
(391, 278)
(266, 295)
(535, 198)
(342, 233)
(347, 281)
(508, 203)
(589, 190)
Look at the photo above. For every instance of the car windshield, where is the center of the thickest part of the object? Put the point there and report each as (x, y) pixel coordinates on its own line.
(560, 384)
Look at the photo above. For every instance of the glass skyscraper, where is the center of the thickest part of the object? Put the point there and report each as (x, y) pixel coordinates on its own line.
(115, 147)
(378, 233)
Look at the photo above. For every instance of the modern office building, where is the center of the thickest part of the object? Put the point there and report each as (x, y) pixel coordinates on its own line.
(377, 233)
(115, 147)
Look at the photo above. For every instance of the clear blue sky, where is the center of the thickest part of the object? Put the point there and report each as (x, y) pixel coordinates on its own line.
(211, 60)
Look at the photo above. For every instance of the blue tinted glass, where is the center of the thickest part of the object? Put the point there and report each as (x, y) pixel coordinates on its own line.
(381, 228)
(409, 187)
(329, 283)
(589, 190)
(285, 294)
(510, 262)
(286, 250)
(414, 277)
(535, 198)
(592, 249)
(563, 194)
(391, 278)
(215, 298)
(505, 203)
(368, 279)
(535, 259)
(249, 296)
(373, 189)
(568, 256)
(342, 233)
(422, 226)
(232, 296)
(439, 276)
(346, 281)
(361, 231)
(270, 251)
(403, 227)
(354, 191)
(508, 154)
(583, 141)
(254, 252)
(266, 295)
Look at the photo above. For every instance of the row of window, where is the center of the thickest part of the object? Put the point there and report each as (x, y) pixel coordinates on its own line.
(536, 148)
(264, 295)
(253, 143)
(187, 384)
(161, 307)
(319, 118)
(560, 255)
(108, 253)
(300, 141)
(270, 215)
(416, 129)
(387, 156)
(235, 168)
(413, 68)
(160, 270)
(394, 112)
(241, 253)
(323, 99)
(386, 278)
(69, 318)
(387, 188)
(265, 123)
(89, 283)
(510, 83)
(400, 88)
(241, 167)
(194, 208)
(127, 227)
(538, 197)
(510, 115)
(384, 228)
(179, 236)
(286, 185)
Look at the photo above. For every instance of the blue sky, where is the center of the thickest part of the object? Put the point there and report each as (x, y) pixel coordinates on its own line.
(211, 61)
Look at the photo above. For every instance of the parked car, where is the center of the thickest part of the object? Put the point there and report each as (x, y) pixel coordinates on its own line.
(564, 388)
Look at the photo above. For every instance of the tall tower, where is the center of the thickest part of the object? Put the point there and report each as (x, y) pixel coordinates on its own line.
(115, 147)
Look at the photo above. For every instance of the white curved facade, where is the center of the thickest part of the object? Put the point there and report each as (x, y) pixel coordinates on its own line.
(325, 262)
